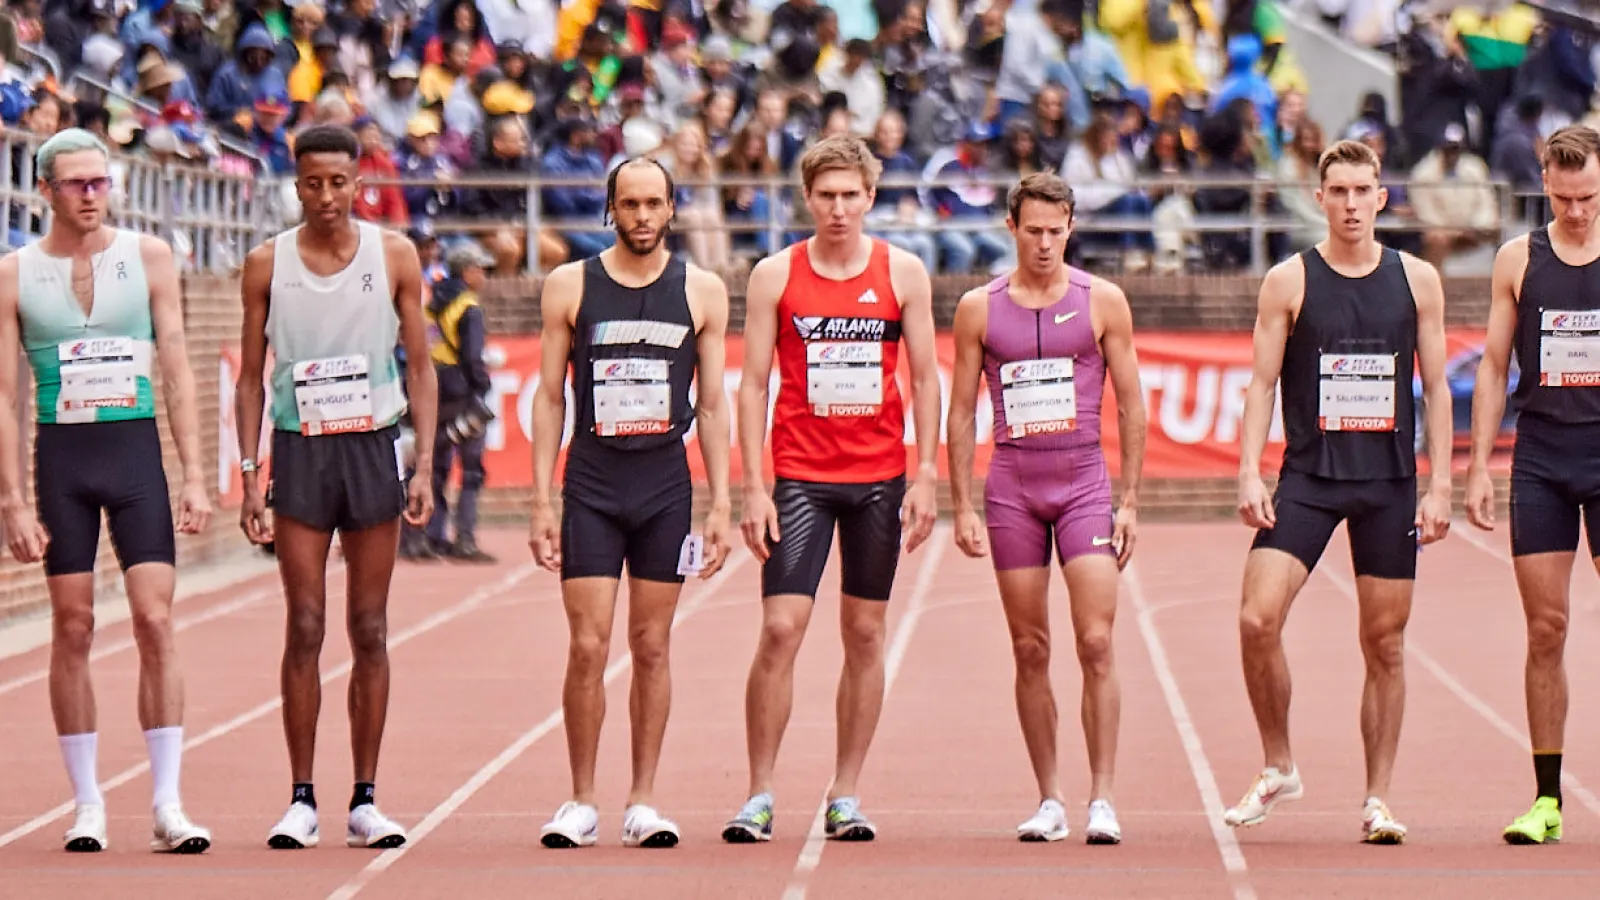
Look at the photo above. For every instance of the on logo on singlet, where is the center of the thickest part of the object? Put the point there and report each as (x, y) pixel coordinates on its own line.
(1569, 348)
(1040, 396)
(1358, 391)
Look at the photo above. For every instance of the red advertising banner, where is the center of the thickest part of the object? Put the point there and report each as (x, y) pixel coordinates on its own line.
(1194, 391)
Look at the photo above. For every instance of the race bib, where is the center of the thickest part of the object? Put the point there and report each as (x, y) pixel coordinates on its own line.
(1040, 397)
(844, 378)
(101, 373)
(632, 396)
(1357, 392)
(334, 395)
(1569, 349)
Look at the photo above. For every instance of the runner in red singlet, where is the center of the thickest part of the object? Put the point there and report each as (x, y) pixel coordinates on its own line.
(834, 308)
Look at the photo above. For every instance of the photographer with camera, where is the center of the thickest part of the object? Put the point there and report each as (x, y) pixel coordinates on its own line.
(457, 333)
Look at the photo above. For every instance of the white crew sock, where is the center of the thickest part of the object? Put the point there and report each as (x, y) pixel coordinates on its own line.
(166, 758)
(79, 751)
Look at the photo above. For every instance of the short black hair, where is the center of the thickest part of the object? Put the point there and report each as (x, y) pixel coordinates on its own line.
(327, 139)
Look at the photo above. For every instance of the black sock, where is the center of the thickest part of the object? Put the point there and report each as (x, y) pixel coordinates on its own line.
(304, 794)
(1547, 770)
(362, 795)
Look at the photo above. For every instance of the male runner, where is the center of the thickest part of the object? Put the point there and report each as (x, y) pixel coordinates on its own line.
(834, 309)
(1546, 305)
(636, 325)
(333, 297)
(1341, 323)
(85, 303)
(1044, 338)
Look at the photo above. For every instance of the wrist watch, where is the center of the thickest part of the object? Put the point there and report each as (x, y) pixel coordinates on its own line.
(246, 466)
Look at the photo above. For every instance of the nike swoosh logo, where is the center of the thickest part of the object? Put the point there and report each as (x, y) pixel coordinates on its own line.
(1101, 542)
(1063, 318)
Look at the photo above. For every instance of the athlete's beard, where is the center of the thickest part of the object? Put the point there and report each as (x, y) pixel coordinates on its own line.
(625, 238)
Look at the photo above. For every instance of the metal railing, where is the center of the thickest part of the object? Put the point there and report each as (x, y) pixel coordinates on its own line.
(213, 218)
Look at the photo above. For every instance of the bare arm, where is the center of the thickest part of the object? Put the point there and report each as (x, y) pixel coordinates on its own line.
(760, 345)
(422, 384)
(1274, 316)
(177, 379)
(1489, 392)
(249, 395)
(562, 289)
(915, 291)
(11, 497)
(972, 315)
(711, 399)
(1429, 295)
(1122, 367)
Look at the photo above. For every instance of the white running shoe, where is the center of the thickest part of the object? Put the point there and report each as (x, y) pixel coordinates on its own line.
(575, 825)
(1048, 824)
(88, 831)
(174, 833)
(297, 829)
(1378, 825)
(1103, 827)
(642, 826)
(1270, 788)
(370, 828)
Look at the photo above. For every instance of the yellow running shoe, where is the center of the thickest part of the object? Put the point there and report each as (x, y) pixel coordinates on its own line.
(1540, 825)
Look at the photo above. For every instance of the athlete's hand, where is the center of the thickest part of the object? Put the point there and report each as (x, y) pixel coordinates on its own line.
(419, 498)
(1480, 498)
(194, 508)
(1124, 532)
(1255, 504)
(27, 537)
(715, 539)
(918, 511)
(759, 521)
(971, 538)
(254, 518)
(544, 536)
(1433, 516)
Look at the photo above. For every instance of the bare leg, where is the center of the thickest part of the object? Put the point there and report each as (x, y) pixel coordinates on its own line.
(1024, 594)
(302, 554)
(72, 634)
(769, 692)
(1092, 587)
(651, 605)
(862, 624)
(150, 587)
(1544, 580)
(369, 567)
(590, 604)
(1385, 609)
(1272, 579)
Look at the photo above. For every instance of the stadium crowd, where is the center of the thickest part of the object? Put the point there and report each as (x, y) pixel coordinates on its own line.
(954, 95)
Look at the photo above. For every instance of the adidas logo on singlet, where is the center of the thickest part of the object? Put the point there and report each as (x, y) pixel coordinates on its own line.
(871, 296)
(845, 328)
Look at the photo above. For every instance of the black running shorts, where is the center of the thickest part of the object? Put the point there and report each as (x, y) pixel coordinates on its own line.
(1380, 517)
(625, 507)
(79, 470)
(1554, 480)
(868, 518)
(343, 482)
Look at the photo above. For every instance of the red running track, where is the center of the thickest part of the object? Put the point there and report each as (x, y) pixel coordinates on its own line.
(475, 760)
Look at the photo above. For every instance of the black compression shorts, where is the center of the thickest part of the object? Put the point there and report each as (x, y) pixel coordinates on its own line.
(344, 482)
(1554, 480)
(619, 506)
(79, 470)
(868, 518)
(1380, 517)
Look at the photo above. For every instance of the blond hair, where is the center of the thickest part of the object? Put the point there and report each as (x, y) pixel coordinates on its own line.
(1352, 153)
(840, 153)
(1570, 148)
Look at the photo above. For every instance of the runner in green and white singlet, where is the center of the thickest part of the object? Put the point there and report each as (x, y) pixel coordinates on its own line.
(93, 307)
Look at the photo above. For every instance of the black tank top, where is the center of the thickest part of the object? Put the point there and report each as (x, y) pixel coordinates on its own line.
(1348, 412)
(633, 356)
(1557, 339)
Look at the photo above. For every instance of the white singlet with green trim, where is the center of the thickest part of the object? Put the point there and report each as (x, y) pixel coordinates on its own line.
(91, 367)
(333, 341)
